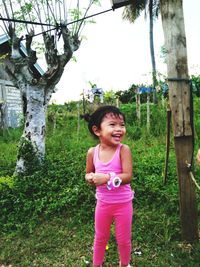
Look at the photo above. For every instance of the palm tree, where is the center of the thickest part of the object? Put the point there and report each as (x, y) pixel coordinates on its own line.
(131, 13)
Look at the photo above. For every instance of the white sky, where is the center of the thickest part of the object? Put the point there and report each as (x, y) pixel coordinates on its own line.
(116, 54)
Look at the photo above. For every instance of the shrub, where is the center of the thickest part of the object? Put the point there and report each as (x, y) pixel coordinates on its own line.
(6, 180)
(58, 186)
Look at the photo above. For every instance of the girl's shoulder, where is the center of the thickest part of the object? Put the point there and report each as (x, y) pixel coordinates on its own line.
(91, 151)
(124, 148)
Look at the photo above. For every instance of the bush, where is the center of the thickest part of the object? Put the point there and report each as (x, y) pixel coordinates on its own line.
(7, 180)
(58, 187)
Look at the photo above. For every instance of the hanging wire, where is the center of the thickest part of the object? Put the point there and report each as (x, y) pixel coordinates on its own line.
(52, 25)
(189, 166)
(27, 22)
(194, 180)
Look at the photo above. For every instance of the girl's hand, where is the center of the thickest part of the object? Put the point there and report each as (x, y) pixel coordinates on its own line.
(100, 178)
(198, 157)
(89, 178)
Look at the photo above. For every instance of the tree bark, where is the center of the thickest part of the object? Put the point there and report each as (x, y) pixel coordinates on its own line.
(179, 97)
(153, 61)
(34, 128)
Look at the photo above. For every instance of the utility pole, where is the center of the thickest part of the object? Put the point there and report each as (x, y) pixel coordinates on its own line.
(180, 104)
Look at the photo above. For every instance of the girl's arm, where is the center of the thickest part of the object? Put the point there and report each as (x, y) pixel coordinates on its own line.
(90, 166)
(198, 157)
(91, 177)
(126, 175)
(127, 165)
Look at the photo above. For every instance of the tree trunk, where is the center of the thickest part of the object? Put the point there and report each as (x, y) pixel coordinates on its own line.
(179, 97)
(153, 61)
(33, 138)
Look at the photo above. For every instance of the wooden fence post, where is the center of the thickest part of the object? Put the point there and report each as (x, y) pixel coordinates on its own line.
(180, 104)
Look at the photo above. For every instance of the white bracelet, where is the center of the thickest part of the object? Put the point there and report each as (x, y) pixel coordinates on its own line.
(114, 181)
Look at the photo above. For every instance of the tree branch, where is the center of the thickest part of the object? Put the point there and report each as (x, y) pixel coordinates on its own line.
(32, 58)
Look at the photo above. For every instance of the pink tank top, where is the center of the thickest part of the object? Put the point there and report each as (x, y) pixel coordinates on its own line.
(121, 194)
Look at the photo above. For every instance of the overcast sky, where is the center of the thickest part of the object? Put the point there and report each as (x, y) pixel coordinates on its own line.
(116, 53)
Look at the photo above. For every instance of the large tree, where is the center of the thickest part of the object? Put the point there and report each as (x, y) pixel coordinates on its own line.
(131, 13)
(60, 39)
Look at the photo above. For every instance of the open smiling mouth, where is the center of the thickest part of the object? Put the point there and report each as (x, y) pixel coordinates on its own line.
(116, 136)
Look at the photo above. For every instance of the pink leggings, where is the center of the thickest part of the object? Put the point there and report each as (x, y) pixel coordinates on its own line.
(122, 214)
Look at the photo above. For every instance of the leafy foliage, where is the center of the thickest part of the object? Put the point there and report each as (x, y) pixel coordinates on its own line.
(196, 84)
(55, 202)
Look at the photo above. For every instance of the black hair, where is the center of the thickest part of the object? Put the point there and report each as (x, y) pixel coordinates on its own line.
(95, 119)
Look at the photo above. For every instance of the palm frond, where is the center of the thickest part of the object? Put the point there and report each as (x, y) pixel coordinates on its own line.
(133, 11)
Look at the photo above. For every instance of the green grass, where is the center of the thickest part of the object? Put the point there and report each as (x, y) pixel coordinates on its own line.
(66, 242)
(47, 220)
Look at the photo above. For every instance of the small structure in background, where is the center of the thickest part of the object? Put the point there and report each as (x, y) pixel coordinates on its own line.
(91, 99)
(96, 92)
(11, 104)
(147, 90)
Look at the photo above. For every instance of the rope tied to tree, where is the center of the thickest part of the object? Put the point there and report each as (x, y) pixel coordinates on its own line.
(176, 79)
(189, 166)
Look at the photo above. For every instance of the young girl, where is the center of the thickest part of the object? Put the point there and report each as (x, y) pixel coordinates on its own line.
(109, 168)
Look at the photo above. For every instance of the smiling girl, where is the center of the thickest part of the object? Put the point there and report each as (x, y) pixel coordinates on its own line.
(109, 168)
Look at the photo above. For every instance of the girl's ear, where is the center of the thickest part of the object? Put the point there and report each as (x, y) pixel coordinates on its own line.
(95, 130)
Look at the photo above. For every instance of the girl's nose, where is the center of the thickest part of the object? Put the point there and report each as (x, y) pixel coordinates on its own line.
(118, 128)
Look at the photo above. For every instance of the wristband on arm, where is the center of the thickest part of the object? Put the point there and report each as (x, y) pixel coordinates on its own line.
(114, 181)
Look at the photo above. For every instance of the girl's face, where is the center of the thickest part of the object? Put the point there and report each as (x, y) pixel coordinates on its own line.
(112, 129)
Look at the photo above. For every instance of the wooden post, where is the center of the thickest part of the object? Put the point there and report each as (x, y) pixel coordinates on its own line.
(179, 98)
(117, 102)
(148, 112)
(78, 120)
(138, 105)
(167, 144)
(83, 101)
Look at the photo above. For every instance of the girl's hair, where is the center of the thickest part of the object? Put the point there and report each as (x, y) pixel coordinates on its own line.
(96, 118)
